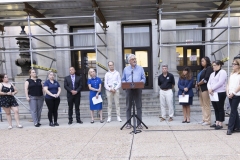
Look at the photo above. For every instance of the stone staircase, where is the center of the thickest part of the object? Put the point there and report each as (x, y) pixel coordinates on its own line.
(150, 104)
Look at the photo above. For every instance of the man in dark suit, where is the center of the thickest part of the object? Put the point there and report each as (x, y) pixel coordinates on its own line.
(73, 85)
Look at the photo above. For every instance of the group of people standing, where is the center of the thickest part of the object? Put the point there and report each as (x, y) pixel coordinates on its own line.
(212, 81)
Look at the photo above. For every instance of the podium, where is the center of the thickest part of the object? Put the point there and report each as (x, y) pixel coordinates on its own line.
(133, 86)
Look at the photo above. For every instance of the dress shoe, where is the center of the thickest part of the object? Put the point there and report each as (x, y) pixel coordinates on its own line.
(170, 119)
(237, 130)
(37, 125)
(80, 122)
(92, 121)
(184, 121)
(10, 127)
(70, 122)
(229, 132)
(140, 127)
(119, 119)
(56, 124)
(213, 125)
(162, 119)
(101, 121)
(218, 127)
(51, 124)
(128, 126)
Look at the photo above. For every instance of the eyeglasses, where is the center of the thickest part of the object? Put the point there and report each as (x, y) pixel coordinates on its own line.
(235, 64)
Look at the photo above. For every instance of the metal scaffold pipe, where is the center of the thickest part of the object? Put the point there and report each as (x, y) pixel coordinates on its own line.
(184, 12)
(95, 38)
(228, 44)
(46, 18)
(30, 41)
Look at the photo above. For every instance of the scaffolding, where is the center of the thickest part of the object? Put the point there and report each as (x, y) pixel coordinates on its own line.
(53, 47)
(212, 42)
(98, 37)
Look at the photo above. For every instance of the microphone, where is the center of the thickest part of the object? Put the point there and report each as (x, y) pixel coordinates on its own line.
(132, 84)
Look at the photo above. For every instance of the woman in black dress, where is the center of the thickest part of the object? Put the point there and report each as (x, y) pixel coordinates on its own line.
(7, 100)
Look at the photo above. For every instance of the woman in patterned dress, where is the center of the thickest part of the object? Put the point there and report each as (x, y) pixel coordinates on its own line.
(7, 100)
(94, 85)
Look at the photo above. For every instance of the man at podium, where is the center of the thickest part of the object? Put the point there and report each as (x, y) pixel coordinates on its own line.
(133, 73)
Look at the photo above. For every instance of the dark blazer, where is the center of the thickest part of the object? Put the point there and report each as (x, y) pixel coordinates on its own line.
(205, 75)
(185, 83)
(68, 85)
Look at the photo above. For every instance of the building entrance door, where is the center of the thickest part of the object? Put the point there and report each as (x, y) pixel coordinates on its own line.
(82, 61)
(190, 56)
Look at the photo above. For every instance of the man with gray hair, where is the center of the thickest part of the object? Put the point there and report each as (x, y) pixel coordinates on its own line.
(136, 73)
(166, 83)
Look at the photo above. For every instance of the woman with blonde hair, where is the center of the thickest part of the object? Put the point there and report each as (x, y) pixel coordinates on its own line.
(52, 99)
(7, 100)
(94, 85)
(233, 93)
(34, 95)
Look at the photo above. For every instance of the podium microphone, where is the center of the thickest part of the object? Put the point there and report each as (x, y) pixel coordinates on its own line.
(132, 84)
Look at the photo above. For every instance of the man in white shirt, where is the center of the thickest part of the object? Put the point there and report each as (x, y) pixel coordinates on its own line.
(112, 83)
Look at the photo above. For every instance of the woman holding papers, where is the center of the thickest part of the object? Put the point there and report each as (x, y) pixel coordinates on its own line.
(202, 80)
(185, 90)
(217, 91)
(233, 93)
(94, 85)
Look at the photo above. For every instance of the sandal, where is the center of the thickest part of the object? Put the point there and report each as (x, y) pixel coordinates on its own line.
(10, 127)
(92, 121)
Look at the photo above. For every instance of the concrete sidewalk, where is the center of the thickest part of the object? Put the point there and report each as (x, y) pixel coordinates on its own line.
(163, 140)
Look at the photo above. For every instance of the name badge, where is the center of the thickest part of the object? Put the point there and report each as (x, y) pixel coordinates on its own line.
(167, 77)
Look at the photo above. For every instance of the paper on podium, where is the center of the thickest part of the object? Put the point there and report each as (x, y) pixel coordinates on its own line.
(183, 99)
(96, 101)
(214, 97)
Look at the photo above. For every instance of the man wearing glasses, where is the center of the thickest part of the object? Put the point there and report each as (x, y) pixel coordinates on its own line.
(136, 73)
(112, 84)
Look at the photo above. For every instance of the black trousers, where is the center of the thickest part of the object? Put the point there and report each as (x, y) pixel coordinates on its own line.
(134, 95)
(76, 101)
(52, 105)
(219, 107)
(234, 117)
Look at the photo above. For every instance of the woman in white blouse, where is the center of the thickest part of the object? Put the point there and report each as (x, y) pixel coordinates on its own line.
(233, 93)
(217, 84)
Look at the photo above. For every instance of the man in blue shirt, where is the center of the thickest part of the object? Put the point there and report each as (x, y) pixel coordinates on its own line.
(136, 73)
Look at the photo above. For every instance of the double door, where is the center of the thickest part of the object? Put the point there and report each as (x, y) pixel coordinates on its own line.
(82, 61)
(190, 56)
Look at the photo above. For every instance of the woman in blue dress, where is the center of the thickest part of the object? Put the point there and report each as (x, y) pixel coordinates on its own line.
(185, 84)
(94, 85)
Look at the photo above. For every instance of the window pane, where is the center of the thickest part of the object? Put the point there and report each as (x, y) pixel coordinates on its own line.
(126, 53)
(142, 58)
(179, 52)
(136, 36)
(189, 35)
(85, 39)
(91, 60)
